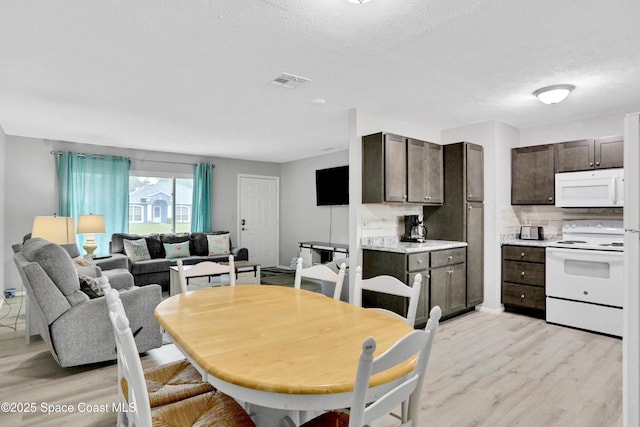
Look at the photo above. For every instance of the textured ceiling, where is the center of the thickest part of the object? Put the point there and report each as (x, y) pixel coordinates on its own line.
(192, 76)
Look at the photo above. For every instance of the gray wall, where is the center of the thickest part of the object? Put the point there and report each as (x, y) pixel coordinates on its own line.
(300, 218)
(31, 187)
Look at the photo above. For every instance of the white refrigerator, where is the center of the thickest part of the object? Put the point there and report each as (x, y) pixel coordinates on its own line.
(631, 331)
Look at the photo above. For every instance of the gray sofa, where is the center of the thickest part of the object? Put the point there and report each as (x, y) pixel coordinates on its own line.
(75, 327)
(156, 269)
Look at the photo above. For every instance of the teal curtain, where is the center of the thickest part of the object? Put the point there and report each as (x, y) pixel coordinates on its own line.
(201, 215)
(98, 185)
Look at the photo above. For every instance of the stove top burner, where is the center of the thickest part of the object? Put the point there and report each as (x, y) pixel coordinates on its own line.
(571, 242)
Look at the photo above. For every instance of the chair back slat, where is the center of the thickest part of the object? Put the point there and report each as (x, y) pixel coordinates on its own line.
(416, 344)
(205, 268)
(391, 286)
(132, 388)
(321, 272)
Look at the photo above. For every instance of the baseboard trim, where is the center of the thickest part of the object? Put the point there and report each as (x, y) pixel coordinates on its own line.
(489, 310)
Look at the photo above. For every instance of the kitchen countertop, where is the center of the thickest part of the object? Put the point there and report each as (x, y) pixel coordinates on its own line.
(408, 247)
(519, 242)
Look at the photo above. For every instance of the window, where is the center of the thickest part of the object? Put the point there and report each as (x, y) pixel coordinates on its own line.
(135, 213)
(159, 205)
(183, 213)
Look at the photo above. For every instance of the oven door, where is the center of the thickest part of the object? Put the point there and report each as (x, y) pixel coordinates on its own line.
(585, 275)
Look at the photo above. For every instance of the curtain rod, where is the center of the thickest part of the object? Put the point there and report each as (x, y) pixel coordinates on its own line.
(99, 156)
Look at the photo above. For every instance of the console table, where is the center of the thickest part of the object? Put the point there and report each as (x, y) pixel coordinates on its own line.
(321, 252)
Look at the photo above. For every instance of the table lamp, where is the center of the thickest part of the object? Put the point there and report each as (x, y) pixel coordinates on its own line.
(90, 224)
(56, 229)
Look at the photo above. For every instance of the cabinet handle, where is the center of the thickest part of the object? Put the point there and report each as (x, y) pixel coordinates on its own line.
(590, 163)
(470, 195)
(419, 261)
(522, 274)
(450, 272)
(551, 199)
(522, 254)
(404, 197)
(597, 163)
(449, 257)
(522, 296)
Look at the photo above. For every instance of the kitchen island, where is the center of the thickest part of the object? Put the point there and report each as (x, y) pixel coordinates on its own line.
(442, 264)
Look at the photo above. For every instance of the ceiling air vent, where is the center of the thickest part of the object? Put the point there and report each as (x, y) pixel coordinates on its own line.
(289, 81)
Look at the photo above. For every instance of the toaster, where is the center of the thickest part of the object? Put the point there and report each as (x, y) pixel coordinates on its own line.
(531, 232)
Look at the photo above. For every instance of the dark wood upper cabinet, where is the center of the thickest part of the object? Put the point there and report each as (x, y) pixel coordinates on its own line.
(533, 175)
(397, 169)
(424, 172)
(475, 173)
(609, 152)
(384, 168)
(588, 154)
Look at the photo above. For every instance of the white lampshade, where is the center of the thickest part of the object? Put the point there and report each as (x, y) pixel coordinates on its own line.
(56, 229)
(89, 224)
(553, 94)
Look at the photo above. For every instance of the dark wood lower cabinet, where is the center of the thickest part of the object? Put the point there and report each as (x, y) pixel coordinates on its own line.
(523, 278)
(444, 280)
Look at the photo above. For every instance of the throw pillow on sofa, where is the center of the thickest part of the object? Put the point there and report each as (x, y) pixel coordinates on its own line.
(136, 249)
(218, 244)
(177, 250)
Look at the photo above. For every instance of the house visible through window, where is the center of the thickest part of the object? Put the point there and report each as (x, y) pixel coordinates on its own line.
(159, 205)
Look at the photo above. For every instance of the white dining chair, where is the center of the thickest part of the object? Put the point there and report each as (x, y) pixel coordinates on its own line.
(205, 268)
(391, 286)
(206, 409)
(408, 393)
(321, 272)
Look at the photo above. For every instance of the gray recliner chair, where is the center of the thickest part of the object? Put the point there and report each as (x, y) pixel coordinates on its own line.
(76, 328)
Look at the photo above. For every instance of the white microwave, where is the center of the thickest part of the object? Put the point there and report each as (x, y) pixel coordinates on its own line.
(596, 188)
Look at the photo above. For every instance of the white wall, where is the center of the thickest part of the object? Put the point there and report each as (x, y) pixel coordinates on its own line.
(31, 183)
(300, 219)
(362, 123)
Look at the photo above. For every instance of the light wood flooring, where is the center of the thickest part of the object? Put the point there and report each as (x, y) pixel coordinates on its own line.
(485, 370)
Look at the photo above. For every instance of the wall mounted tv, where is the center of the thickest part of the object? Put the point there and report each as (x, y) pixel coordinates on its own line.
(332, 186)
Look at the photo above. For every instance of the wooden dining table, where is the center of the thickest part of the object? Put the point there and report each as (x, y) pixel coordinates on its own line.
(280, 347)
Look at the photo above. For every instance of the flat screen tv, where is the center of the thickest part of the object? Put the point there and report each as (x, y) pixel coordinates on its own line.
(332, 186)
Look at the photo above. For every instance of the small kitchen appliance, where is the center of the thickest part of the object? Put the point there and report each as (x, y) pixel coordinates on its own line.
(531, 232)
(414, 229)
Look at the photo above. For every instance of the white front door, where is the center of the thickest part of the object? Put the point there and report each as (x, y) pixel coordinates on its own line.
(258, 202)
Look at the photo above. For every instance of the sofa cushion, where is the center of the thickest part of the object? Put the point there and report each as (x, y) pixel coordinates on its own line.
(151, 266)
(174, 237)
(154, 244)
(177, 250)
(136, 249)
(117, 241)
(58, 265)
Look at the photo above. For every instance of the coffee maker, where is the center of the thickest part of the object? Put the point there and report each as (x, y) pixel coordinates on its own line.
(414, 229)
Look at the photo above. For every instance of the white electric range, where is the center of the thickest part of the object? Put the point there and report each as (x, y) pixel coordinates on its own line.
(584, 276)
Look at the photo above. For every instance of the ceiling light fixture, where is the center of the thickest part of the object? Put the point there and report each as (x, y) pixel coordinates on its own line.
(553, 94)
(358, 1)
